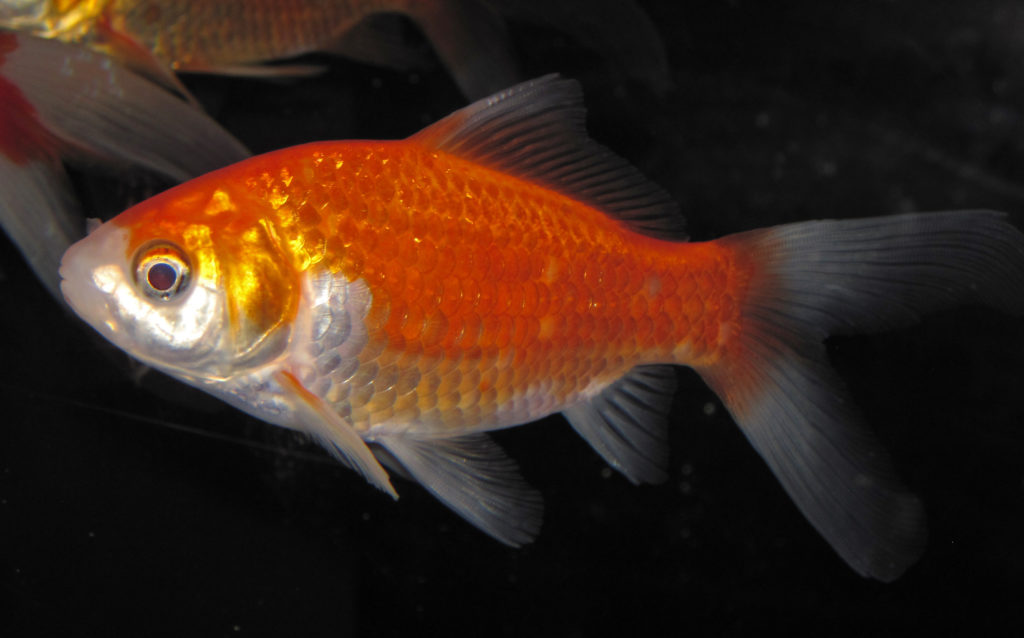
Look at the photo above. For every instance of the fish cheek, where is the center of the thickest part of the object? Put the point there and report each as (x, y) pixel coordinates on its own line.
(262, 293)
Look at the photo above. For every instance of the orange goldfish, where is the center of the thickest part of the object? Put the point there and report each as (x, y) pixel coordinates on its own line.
(159, 37)
(63, 102)
(399, 299)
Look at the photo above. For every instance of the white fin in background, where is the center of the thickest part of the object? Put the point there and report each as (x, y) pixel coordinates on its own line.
(626, 423)
(93, 105)
(61, 100)
(476, 479)
(40, 215)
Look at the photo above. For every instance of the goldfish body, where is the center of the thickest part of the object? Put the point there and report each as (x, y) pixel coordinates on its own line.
(160, 37)
(399, 299)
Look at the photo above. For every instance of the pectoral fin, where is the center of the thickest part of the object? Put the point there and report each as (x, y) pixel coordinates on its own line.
(474, 477)
(335, 433)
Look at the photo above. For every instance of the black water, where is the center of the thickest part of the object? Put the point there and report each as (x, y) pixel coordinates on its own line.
(115, 521)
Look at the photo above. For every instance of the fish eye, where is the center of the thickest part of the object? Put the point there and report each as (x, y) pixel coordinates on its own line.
(162, 270)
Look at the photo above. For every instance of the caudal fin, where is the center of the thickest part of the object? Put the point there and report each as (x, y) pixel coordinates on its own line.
(812, 279)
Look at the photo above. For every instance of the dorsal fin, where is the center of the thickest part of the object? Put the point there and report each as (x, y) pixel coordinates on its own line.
(535, 130)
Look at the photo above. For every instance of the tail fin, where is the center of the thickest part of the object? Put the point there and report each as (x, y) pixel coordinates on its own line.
(809, 280)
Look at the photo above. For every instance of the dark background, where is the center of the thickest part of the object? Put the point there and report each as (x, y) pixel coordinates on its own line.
(139, 507)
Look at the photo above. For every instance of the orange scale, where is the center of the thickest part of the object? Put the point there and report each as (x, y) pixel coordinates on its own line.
(663, 327)
(398, 219)
(489, 330)
(727, 307)
(307, 215)
(435, 329)
(484, 302)
(693, 310)
(407, 405)
(383, 399)
(426, 401)
(488, 398)
(352, 265)
(502, 298)
(469, 295)
(360, 396)
(491, 261)
(450, 381)
(503, 335)
(644, 330)
(448, 405)
(470, 382)
(450, 296)
(413, 323)
(446, 260)
(587, 327)
(529, 293)
(464, 268)
(470, 333)
(424, 255)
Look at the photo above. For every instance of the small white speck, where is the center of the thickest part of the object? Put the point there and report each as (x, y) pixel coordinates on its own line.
(710, 409)
(92, 534)
(606, 472)
(236, 628)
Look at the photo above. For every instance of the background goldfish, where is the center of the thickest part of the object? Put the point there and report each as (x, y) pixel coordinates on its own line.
(60, 102)
(782, 119)
(233, 36)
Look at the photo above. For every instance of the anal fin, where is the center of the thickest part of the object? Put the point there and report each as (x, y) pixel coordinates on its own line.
(626, 422)
(475, 478)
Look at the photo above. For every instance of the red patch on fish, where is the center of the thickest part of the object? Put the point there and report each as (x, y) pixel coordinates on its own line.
(23, 137)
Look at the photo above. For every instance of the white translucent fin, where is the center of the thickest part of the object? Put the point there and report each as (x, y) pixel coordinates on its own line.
(475, 478)
(95, 106)
(335, 433)
(814, 278)
(380, 39)
(627, 422)
(39, 214)
(471, 41)
(535, 131)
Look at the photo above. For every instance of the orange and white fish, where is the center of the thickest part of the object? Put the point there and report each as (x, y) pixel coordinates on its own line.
(161, 37)
(64, 102)
(399, 299)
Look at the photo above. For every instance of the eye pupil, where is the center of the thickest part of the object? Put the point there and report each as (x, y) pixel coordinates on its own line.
(162, 276)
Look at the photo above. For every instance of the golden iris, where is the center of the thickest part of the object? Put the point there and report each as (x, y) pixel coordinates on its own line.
(162, 270)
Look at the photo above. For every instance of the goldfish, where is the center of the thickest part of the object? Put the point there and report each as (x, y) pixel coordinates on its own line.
(161, 37)
(64, 102)
(399, 300)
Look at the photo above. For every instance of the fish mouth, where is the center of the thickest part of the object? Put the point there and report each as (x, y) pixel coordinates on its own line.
(89, 272)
